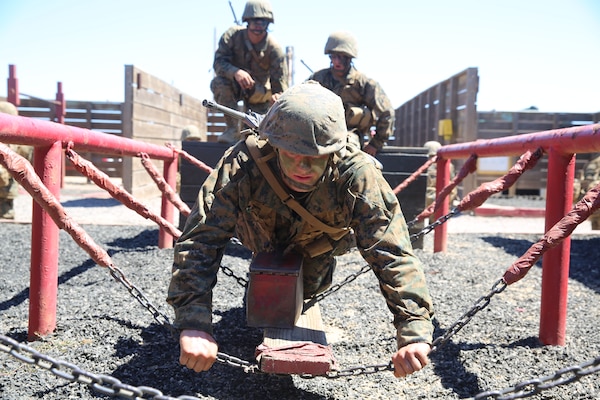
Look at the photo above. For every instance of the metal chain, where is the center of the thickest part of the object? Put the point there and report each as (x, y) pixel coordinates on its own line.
(109, 385)
(480, 304)
(103, 384)
(415, 236)
(164, 320)
(536, 386)
(334, 288)
(158, 315)
(229, 272)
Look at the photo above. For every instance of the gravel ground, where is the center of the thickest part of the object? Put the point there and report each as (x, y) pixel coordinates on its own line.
(103, 330)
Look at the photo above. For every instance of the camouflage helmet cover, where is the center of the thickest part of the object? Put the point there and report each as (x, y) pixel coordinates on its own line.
(342, 42)
(432, 147)
(8, 108)
(258, 9)
(307, 119)
(191, 132)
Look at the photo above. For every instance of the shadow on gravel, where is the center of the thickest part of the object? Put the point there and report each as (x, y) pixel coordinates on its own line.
(155, 363)
(451, 370)
(448, 366)
(91, 202)
(23, 295)
(145, 239)
(585, 253)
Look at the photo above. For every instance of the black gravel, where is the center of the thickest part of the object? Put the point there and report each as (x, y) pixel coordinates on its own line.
(102, 329)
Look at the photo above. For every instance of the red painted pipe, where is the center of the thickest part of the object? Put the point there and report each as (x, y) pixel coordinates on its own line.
(43, 281)
(440, 234)
(29, 131)
(555, 264)
(579, 139)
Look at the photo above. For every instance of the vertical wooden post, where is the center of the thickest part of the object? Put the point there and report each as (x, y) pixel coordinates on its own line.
(13, 86)
(43, 288)
(555, 263)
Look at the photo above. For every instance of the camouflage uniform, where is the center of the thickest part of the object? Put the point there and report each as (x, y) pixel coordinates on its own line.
(365, 102)
(587, 178)
(9, 188)
(237, 200)
(264, 61)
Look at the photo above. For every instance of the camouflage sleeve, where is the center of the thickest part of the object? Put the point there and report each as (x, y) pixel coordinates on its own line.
(199, 250)
(384, 241)
(380, 104)
(223, 61)
(278, 70)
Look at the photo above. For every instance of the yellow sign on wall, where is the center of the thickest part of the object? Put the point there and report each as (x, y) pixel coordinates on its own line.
(445, 129)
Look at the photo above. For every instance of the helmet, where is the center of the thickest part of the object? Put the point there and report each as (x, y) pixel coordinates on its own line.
(8, 108)
(191, 132)
(258, 9)
(432, 147)
(342, 42)
(307, 119)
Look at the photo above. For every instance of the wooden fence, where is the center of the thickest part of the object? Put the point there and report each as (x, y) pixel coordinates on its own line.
(447, 113)
(153, 112)
(156, 112)
(496, 124)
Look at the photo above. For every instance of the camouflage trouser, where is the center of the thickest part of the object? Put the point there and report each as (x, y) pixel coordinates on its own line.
(318, 274)
(228, 93)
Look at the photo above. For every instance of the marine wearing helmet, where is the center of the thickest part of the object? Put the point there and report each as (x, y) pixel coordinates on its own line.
(365, 103)
(306, 125)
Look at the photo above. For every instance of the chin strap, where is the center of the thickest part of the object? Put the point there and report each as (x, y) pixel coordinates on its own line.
(284, 195)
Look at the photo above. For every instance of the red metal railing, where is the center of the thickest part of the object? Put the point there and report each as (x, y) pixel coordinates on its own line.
(561, 145)
(50, 139)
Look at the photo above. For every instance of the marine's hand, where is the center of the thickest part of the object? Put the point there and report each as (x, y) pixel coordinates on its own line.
(198, 350)
(274, 97)
(244, 79)
(410, 358)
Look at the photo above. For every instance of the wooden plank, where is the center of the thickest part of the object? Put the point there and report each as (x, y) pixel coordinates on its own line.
(299, 350)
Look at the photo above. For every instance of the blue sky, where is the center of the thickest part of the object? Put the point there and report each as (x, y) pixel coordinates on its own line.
(543, 53)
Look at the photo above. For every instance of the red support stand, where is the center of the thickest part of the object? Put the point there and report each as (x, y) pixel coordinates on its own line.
(43, 288)
(555, 263)
(165, 240)
(440, 236)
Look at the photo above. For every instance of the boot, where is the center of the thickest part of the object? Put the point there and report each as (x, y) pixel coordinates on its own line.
(6, 209)
(232, 133)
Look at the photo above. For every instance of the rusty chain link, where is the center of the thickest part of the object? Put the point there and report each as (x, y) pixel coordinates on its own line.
(536, 386)
(111, 386)
(104, 384)
(480, 304)
(415, 236)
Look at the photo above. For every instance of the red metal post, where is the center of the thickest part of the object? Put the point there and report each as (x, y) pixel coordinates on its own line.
(13, 86)
(165, 240)
(555, 264)
(440, 242)
(43, 288)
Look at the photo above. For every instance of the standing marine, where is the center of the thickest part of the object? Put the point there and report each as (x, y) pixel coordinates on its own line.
(249, 65)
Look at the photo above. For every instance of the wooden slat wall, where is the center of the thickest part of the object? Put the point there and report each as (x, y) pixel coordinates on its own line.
(417, 120)
(155, 112)
(497, 124)
(455, 99)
